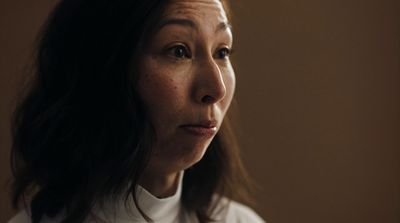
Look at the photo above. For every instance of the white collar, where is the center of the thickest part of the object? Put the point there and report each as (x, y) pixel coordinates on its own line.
(158, 209)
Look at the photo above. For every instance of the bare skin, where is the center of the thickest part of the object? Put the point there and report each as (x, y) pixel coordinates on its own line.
(187, 83)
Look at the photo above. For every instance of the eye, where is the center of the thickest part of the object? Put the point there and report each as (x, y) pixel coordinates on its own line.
(179, 52)
(223, 53)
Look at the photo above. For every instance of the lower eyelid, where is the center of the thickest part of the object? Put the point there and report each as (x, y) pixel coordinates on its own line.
(169, 50)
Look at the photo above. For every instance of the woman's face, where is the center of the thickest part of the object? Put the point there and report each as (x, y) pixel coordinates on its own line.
(186, 80)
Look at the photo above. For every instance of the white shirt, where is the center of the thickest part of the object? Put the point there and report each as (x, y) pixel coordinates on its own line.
(164, 210)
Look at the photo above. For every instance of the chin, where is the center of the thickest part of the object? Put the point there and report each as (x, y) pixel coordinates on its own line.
(196, 154)
(174, 158)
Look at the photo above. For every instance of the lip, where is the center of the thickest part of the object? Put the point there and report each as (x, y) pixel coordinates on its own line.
(203, 129)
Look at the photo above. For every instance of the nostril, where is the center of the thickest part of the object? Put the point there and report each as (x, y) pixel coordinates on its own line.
(207, 99)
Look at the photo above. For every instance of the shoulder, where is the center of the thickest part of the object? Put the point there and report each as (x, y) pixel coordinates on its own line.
(21, 217)
(24, 217)
(235, 212)
(239, 213)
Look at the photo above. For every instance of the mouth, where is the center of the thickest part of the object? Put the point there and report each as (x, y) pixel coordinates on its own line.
(203, 129)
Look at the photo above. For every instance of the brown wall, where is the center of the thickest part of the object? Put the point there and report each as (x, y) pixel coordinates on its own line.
(19, 23)
(318, 93)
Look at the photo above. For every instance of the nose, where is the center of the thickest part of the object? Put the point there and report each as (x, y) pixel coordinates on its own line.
(209, 84)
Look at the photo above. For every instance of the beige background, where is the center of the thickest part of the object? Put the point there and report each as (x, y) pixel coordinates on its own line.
(318, 89)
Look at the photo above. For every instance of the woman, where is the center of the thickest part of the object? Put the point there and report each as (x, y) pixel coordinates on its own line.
(123, 121)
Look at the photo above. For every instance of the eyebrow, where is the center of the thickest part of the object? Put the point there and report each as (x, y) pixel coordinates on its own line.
(189, 23)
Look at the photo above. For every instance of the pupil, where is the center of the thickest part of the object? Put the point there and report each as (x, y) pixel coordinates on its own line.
(222, 53)
(179, 52)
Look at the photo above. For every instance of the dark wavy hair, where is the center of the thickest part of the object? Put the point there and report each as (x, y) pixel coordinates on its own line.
(80, 133)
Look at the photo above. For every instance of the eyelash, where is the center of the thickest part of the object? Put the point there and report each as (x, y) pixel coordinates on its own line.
(184, 52)
(228, 52)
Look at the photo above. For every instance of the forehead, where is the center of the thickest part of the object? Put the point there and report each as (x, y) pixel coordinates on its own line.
(209, 10)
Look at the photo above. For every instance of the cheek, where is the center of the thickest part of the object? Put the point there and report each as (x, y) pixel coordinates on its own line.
(230, 85)
(159, 90)
(159, 93)
(231, 82)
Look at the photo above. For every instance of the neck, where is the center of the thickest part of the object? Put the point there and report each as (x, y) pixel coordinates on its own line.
(160, 185)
